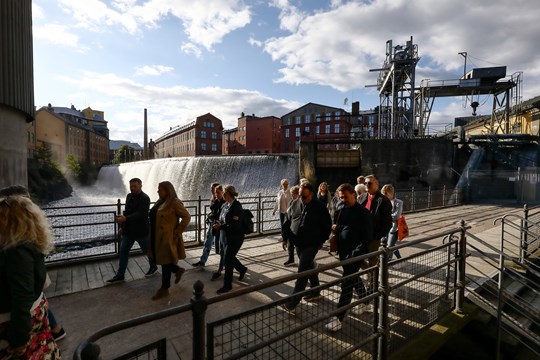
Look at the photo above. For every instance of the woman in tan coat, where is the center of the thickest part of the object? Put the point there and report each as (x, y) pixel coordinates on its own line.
(168, 220)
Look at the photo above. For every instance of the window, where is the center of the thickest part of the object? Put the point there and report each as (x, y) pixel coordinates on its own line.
(297, 133)
(214, 135)
(318, 118)
(287, 133)
(337, 115)
(298, 120)
(203, 146)
(308, 119)
(336, 129)
(306, 130)
(214, 147)
(317, 129)
(328, 116)
(287, 121)
(327, 129)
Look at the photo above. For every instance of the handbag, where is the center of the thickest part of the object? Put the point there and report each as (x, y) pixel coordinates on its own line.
(403, 228)
(334, 239)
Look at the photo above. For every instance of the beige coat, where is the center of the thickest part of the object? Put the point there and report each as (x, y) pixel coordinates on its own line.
(168, 237)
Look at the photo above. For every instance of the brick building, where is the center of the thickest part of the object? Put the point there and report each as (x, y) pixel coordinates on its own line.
(200, 137)
(313, 122)
(254, 135)
(69, 131)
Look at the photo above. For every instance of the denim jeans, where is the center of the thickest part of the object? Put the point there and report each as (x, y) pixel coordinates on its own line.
(348, 285)
(306, 262)
(392, 239)
(126, 243)
(207, 245)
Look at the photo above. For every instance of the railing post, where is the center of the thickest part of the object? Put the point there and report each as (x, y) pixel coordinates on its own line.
(199, 219)
(430, 198)
(199, 303)
(383, 325)
(260, 214)
(444, 196)
(500, 294)
(413, 200)
(116, 226)
(462, 260)
(524, 247)
(88, 351)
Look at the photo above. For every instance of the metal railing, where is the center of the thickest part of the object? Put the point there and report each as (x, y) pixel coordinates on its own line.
(507, 288)
(408, 295)
(85, 233)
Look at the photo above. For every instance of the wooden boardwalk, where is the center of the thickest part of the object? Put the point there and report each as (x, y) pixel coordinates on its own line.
(84, 303)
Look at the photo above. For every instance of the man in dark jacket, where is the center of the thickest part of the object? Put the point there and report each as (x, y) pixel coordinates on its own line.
(309, 231)
(134, 226)
(380, 208)
(354, 230)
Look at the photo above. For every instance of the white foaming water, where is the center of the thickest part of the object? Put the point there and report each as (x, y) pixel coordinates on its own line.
(192, 177)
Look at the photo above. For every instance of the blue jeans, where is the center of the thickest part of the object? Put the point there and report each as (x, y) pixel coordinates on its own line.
(392, 239)
(208, 245)
(126, 243)
(306, 262)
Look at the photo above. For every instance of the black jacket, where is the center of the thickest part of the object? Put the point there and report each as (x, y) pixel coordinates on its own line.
(354, 230)
(136, 213)
(315, 225)
(233, 223)
(381, 214)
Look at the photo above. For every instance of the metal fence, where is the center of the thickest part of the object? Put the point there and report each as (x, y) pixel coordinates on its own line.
(407, 296)
(87, 232)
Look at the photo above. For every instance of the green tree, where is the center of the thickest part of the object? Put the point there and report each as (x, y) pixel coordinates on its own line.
(124, 154)
(73, 166)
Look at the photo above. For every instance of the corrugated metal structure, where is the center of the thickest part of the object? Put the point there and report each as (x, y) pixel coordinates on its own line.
(16, 56)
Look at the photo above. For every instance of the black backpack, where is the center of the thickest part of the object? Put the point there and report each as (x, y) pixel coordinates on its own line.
(247, 223)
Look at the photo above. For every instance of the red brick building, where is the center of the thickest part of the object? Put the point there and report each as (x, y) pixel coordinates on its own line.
(254, 135)
(313, 121)
(200, 137)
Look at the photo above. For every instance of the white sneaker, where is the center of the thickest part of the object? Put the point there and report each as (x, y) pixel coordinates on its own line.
(333, 325)
(360, 309)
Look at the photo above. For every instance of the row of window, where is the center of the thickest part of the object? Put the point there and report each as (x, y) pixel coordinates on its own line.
(214, 147)
(209, 124)
(307, 130)
(313, 118)
(213, 134)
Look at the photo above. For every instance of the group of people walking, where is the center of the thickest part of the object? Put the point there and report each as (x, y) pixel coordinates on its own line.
(362, 217)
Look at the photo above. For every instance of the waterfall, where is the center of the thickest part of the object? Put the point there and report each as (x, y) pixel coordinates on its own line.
(192, 176)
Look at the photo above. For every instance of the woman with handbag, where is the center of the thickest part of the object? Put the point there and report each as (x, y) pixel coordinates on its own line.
(397, 208)
(168, 220)
(25, 239)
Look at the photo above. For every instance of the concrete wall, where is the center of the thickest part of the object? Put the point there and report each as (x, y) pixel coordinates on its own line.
(404, 163)
(13, 164)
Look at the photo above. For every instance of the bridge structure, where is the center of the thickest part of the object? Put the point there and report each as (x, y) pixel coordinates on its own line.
(404, 109)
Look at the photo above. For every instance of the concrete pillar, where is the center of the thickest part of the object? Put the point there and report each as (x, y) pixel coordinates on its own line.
(13, 157)
(16, 89)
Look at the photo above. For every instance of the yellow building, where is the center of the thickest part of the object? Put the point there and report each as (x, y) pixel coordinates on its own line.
(523, 119)
(68, 131)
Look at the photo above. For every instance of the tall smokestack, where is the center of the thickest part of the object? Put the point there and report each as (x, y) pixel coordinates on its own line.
(145, 151)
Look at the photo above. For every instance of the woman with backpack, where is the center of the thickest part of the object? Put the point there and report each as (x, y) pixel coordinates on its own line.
(232, 236)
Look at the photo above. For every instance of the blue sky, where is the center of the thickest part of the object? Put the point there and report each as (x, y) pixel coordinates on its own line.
(185, 58)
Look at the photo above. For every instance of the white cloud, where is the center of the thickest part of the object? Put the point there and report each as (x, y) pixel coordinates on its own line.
(57, 34)
(337, 47)
(37, 11)
(153, 70)
(171, 106)
(204, 25)
(254, 42)
(191, 49)
(290, 16)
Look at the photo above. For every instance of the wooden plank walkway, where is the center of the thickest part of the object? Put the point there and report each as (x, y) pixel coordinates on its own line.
(84, 303)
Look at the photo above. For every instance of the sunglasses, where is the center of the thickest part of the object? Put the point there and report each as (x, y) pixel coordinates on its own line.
(368, 183)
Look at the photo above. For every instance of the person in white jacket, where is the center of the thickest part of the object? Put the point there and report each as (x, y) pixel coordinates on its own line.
(397, 208)
(283, 199)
